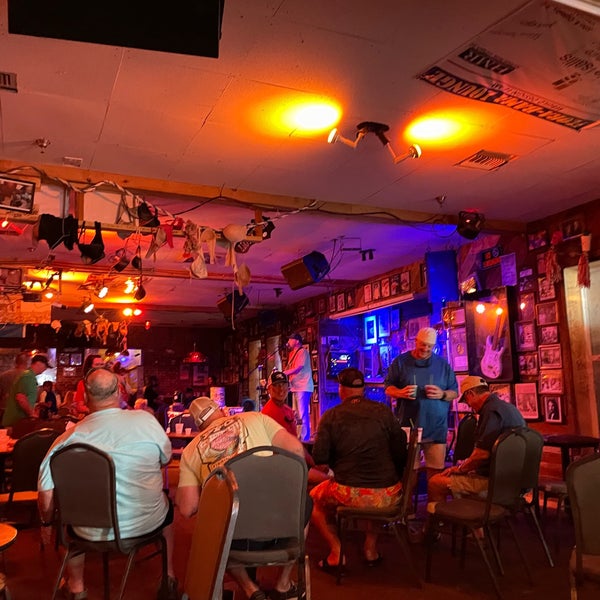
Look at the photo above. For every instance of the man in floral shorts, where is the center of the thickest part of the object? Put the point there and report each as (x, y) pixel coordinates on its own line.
(364, 445)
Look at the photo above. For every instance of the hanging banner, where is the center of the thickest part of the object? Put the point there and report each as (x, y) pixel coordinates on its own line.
(543, 60)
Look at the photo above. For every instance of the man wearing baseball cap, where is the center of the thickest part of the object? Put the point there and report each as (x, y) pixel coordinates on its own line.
(220, 438)
(276, 407)
(23, 394)
(495, 416)
(424, 385)
(365, 447)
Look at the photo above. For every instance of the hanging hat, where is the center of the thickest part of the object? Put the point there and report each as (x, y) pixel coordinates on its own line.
(198, 267)
(209, 237)
(242, 277)
(94, 251)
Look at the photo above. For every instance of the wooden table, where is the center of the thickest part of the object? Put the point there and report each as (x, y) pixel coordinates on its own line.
(8, 534)
(567, 441)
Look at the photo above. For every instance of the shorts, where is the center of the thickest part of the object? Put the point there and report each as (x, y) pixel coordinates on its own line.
(434, 455)
(328, 495)
(468, 484)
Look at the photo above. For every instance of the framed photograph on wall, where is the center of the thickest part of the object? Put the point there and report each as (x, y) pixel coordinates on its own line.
(526, 400)
(571, 228)
(350, 299)
(553, 412)
(528, 364)
(525, 335)
(341, 302)
(546, 313)
(546, 289)
(332, 305)
(538, 239)
(405, 282)
(322, 305)
(370, 323)
(376, 290)
(459, 358)
(395, 285)
(385, 287)
(367, 292)
(551, 382)
(527, 307)
(550, 356)
(502, 390)
(383, 324)
(548, 334)
(16, 195)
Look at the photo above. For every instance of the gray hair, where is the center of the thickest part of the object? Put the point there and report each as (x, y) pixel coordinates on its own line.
(100, 384)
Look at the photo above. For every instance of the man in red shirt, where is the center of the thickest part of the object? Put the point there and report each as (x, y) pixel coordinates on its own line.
(276, 407)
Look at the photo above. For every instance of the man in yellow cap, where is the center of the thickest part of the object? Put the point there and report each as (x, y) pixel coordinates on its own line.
(424, 385)
(495, 416)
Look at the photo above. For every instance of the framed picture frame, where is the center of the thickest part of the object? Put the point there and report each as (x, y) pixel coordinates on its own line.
(550, 356)
(547, 313)
(322, 305)
(395, 319)
(10, 279)
(548, 334)
(528, 364)
(572, 228)
(502, 390)
(350, 299)
(546, 289)
(537, 239)
(332, 304)
(385, 287)
(383, 324)
(370, 324)
(16, 195)
(541, 263)
(367, 292)
(553, 410)
(376, 290)
(526, 400)
(525, 335)
(395, 284)
(341, 302)
(405, 282)
(75, 359)
(551, 382)
(527, 307)
(423, 274)
(459, 357)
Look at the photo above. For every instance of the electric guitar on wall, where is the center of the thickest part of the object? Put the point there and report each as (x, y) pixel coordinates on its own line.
(491, 363)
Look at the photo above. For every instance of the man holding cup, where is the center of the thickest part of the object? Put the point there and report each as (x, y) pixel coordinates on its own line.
(423, 385)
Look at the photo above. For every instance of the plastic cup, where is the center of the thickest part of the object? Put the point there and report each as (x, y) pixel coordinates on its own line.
(188, 431)
(179, 428)
(407, 432)
(419, 434)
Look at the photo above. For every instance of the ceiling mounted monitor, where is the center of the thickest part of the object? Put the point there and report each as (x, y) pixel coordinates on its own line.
(180, 27)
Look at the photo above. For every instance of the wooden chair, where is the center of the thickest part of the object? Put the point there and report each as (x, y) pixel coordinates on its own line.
(384, 520)
(506, 467)
(211, 540)
(85, 496)
(272, 489)
(583, 484)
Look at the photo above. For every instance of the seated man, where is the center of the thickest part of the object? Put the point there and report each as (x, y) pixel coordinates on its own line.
(495, 416)
(139, 448)
(234, 434)
(365, 446)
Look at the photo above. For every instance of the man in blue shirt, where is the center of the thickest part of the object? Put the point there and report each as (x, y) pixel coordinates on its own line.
(423, 385)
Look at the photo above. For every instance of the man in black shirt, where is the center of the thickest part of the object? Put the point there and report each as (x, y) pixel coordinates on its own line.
(365, 446)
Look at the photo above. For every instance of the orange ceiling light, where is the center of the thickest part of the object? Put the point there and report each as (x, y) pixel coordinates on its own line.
(450, 128)
(294, 115)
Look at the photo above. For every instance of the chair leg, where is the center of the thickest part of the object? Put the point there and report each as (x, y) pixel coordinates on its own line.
(488, 564)
(307, 583)
(521, 553)
(60, 574)
(496, 553)
(402, 538)
(532, 512)
(341, 531)
(106, 571)
(432, 530)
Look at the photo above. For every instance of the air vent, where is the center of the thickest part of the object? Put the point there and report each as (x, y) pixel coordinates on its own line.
(484, 160)
(72, 161)
(8, 81)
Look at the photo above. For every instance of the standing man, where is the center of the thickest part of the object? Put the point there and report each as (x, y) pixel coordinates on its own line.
(276, 407)
(9, 377)
(23, 394)
(220, 438)
(365, 446)
(139, 448)
(423, 385)
(495, 417)
(299, 372)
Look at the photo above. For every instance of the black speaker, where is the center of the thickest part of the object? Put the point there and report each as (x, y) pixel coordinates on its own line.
(180, 27)
(239, 301)
(306, 270)
(469, 224)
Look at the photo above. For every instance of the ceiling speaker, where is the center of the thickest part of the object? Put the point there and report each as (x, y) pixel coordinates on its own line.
(306, 270)
(239, 302)
(469, 224)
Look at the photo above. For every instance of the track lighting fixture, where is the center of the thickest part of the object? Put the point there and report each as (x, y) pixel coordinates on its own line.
(367, 254)
(140, 292)
(378, 129)
(101, 290)
(87, 306)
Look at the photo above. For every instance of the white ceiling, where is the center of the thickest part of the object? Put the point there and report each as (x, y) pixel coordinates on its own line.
(203, 127)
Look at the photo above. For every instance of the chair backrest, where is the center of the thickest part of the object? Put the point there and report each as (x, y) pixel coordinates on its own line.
(583, 486)
(506, 468)
(272, 493)
(186, 419)
(27, 456)
(409, 476)
(534, 446)
(465, 438)
(213, 532)
(85, 488)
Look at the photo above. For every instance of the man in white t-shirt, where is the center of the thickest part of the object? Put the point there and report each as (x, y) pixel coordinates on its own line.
(221, 437)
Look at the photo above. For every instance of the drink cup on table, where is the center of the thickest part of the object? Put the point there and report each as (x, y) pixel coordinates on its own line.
(179, 428)
(188, 431)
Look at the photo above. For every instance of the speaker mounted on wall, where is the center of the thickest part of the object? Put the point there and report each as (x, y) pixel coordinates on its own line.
(239, 302)
(470, 223)
(307, 270)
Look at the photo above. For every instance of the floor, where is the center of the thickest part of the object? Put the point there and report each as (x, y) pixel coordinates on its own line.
(30, 572)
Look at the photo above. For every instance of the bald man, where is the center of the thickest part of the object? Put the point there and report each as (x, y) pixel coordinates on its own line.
(423, 385)
(139, 448)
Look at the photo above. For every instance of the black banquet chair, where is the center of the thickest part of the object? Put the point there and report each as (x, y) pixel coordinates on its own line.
(85, 496)
(583, 485)
(211, 540)
(473, 514)
(272, 489)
